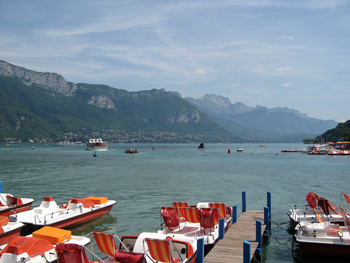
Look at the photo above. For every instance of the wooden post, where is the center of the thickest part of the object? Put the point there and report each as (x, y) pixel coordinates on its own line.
(246, 252)
(258, 236)
(234, 214)
(200, 250)
(244, 202)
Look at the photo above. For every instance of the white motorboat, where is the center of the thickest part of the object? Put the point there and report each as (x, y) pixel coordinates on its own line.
(97, 145)
(76, 211)
(240, 149)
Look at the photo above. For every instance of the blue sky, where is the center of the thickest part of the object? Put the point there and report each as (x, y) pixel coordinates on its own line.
(273, 53)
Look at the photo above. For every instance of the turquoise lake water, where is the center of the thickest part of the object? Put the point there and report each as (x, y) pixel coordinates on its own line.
(142, 183)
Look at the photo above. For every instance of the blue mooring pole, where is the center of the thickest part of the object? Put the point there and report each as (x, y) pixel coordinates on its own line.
(234, 214)
(244, 202)
(221, 228)
(266, 220)
(246, 251)
(259, 236)
(0, 187)
(200, 250)
(269, 203)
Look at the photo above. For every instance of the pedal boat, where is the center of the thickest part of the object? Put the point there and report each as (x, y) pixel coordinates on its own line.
(39, 247)
(202, 220)
(307, 215)
(324, 238)
(8, 230)
(146, 247)
(10, 204)
(76, 211)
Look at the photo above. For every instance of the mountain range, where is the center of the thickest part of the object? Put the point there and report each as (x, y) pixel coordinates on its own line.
(45, 107)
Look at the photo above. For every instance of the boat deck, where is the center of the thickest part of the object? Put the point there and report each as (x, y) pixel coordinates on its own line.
(230, 249)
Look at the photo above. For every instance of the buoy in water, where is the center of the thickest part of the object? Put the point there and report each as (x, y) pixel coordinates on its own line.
(95, 154)
(152, 148)
(229, 151)
(32, 147)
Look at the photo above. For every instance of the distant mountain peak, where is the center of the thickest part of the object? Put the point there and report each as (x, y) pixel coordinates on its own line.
(51, 81)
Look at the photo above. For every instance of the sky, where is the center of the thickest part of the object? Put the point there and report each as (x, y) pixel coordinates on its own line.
(273, 53)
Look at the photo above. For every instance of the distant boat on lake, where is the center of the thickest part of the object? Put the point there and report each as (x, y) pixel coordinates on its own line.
(67, 143)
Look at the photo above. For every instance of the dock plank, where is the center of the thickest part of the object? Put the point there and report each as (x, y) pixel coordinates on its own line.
(230, 249)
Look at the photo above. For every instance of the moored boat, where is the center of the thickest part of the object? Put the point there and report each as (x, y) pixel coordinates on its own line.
(201, 220)
(146, 247)
(316, 153)
(10, 204)
(39, 247)
(8, 230)
(240, 149)
(339, 152)
(97, 145)
(290, 150)
(76, 211)
(324, 238)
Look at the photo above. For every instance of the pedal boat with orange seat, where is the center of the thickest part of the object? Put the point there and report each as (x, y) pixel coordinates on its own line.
(146, 247)
(306, 215)
(8, 230)
(323, 238)
(10, 204)
(74, 212)
(201, 220)
(38, 247)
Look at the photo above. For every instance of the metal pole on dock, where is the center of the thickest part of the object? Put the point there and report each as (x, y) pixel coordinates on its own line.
(246, 252)
(266, 220)
(244, 202)
(269, 203)
(0, 187)
(221, 228)
(259, 236)
(200, 250)
(234, 214)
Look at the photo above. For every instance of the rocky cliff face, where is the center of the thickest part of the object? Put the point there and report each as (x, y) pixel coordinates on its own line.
(51, 81)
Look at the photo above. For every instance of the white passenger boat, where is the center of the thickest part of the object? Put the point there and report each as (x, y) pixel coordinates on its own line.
(76, 211)
(40, 247)
(97, 145)
(10, 204)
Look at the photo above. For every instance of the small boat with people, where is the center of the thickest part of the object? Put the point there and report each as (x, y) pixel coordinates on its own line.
(131, 151)
(290, 150)
(97, 145)
(10, 204)
(42, 246)
(74, 212)
(8, 230)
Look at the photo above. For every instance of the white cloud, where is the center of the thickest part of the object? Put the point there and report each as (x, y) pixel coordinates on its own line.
(284, 68)
(199, 72)
(286, 85)
(235, 85)
(287, 37)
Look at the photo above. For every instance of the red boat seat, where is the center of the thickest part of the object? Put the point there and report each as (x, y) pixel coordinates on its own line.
(13, 200)
(171, 217)
(181, 204)
(71, 253)
(191, 214)
(209, 217)
(128, 257)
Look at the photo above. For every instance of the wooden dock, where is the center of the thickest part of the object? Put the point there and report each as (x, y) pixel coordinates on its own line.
(230, 249)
